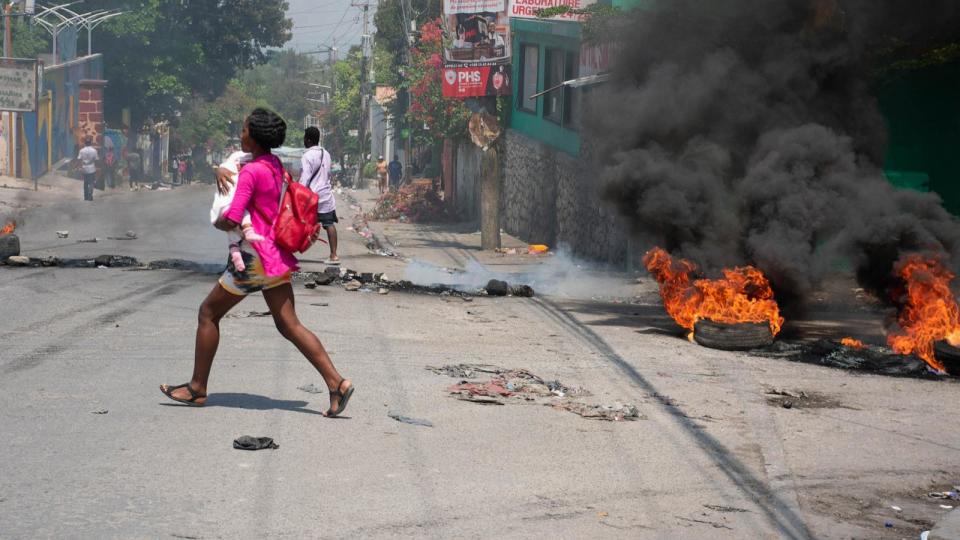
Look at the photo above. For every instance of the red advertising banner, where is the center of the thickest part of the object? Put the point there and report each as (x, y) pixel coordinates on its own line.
(476, 81)
(527, 9)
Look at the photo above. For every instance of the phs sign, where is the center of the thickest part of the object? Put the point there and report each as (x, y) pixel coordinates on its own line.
(18, 85)
(476, 81)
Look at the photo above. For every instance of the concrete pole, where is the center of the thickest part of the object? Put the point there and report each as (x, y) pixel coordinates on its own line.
(490, 199)
(8, 30)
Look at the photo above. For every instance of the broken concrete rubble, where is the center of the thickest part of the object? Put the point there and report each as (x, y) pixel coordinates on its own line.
(18, 260)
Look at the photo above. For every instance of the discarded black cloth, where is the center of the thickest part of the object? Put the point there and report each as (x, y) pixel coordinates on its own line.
(246, 442)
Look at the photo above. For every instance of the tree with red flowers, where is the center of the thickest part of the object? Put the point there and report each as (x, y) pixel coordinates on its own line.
(432, 116)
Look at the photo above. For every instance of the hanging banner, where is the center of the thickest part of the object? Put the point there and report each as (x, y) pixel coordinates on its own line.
(476, 32)
(18, 85)
(527, 9)
(476, 81)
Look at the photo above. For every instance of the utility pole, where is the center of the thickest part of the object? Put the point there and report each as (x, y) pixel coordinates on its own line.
(8, 30)
(364, 89)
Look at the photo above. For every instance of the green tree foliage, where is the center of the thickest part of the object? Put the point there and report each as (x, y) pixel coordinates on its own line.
(281, 84)
(29, 40)
(161, 52)
(211, 124)
(343, 114)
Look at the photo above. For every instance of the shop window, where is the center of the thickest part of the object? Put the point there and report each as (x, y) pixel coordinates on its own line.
(529, 72)
(553, 100)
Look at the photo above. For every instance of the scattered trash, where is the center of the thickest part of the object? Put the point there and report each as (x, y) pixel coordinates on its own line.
(320, 304)
(49, 261)
(924, 535)
(724, 509)
(946, 506)
(826, 352)
(352, 285)
(464, 371)
(521, 385)
(247, 314)
(897, 508)
(602, 514)
(129, 235)
(888, 524)
(18, 260)
(63, 234)
(479, 399)
(325, 279)
(537, 249)
(99, 411)
(312, 389)
(88, 241)
(416, 202)
(383, 290)
(611, 413)
(409, 420)
(246, 442)
(116, 261)
(955, 494)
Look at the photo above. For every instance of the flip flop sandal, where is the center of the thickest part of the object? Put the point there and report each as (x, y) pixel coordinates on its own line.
(332, 262)
(344, 399)
(194, 396)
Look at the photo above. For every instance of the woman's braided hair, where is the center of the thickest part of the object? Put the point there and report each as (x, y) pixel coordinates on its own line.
(267, 128)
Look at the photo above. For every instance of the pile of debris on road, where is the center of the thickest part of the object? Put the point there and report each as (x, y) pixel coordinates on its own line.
(850, 355)
(352, 280)
(417, 202)
(502, 386)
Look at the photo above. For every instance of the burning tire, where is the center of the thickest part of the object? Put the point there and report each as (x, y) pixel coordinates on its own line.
(9, 246)
(732, 337)
(949, 356)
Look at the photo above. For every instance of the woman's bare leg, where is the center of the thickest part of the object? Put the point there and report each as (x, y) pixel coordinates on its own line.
(213, 308)
(281, 303)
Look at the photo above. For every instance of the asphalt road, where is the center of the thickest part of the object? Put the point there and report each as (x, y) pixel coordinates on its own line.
(711, 458)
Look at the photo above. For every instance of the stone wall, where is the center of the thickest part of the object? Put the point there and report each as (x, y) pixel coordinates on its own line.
(553, 198)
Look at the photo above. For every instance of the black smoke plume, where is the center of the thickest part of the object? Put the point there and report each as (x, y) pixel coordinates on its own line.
(745, 131)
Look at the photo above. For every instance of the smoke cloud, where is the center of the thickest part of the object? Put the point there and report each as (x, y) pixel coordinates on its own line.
(745, 132)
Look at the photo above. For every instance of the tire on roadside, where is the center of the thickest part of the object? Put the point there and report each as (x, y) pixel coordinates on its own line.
(732, 337)
(9, 246)
(949, 356)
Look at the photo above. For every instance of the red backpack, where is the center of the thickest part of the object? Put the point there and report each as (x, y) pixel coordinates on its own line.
(296, 222)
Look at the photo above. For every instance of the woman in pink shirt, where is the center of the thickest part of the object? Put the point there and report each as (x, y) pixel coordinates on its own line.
(267, 269)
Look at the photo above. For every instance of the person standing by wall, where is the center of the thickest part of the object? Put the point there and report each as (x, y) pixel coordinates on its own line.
(88, 157)
(134, 169)
(315, 174)
(396, 172)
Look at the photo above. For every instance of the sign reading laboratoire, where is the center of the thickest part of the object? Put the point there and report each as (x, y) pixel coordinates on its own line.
(18, 85)
(476, 32)
(527, 9)
(476, 81)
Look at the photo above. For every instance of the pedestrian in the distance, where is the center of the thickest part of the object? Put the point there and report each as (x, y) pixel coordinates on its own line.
(268, 268)
(134, 169)
(396, 172)
(315, 174)
(88, 157)
(382, 174)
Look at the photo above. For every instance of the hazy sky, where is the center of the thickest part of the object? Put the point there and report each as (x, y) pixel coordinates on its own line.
(318, 23)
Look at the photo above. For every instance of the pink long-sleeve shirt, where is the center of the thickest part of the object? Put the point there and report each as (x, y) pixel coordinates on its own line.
(258, 190)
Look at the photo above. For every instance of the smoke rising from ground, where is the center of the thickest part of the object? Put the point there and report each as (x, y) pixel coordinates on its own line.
(744, 132)
(559, 275)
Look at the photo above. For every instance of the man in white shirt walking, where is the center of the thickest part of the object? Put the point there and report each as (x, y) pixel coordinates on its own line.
(88, 157)
(315, 174)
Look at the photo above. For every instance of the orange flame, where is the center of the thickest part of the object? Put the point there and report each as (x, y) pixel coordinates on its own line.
(929, 312)
(852, 343)
(742, 295)
(8, 228)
